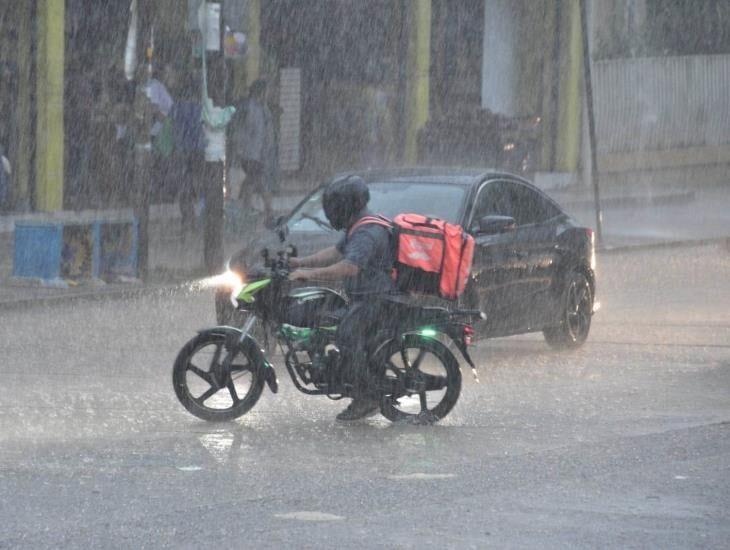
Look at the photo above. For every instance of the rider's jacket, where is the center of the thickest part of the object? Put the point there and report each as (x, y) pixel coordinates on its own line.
(369, 247)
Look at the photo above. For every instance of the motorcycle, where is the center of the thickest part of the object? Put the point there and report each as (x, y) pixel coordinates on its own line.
(220, 374)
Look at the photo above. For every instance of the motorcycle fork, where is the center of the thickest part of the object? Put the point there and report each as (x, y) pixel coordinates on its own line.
(247, 326)
(222, 369)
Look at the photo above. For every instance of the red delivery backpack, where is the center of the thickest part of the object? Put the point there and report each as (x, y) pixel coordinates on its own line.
(431, 256)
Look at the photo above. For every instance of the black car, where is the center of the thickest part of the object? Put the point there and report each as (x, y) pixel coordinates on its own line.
(533, 265)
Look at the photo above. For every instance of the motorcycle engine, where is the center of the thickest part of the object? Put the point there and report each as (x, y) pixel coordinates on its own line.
(318, 369)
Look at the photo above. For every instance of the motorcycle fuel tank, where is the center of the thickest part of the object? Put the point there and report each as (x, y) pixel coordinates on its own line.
(313, 307)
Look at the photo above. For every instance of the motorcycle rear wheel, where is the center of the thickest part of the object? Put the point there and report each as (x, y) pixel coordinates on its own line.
(428, 376)
(211, 397)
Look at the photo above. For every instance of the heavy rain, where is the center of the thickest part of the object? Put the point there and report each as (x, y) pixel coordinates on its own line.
(364, 273)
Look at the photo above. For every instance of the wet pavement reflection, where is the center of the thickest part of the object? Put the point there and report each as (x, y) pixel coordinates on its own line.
(95, 448)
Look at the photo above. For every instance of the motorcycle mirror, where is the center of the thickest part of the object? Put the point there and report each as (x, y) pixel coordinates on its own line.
(280, 227)
(291, 251)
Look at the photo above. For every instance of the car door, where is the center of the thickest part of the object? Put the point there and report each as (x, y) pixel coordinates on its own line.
(493, 269)
(535, 254)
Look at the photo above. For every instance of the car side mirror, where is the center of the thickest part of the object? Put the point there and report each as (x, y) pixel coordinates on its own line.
(280, 228)
(493, 225)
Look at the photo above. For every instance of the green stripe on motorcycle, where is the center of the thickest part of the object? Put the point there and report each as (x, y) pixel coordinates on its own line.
(247, 292)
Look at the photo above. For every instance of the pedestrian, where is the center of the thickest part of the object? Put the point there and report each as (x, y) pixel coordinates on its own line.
(121, 162)
(104, 193)
(163, 141)
(5, 173)
(80, 91)
(254, 148)
(7, 78)
(187, 160)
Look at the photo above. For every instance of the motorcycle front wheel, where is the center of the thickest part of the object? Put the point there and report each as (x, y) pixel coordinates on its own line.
(425, 379)
(209, 391)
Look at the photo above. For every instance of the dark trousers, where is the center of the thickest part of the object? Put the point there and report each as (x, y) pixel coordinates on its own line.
(187, 170)
(358, 334)
(254, 182)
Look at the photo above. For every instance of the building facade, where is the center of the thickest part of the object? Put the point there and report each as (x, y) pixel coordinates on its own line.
(357, 84)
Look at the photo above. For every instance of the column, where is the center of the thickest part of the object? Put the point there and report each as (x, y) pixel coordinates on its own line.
(49, 101)
(418, 66)
(551, 85)
(569, 100)
(253, 57)
(500, 57)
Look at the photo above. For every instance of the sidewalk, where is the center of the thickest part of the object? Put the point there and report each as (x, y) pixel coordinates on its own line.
(631, 219)
(652, 218)
(174, 262)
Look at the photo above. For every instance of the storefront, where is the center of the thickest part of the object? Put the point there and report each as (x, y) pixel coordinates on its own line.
(351, 58)
(486, 81)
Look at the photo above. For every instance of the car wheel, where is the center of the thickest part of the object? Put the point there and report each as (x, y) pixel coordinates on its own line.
(575, 315)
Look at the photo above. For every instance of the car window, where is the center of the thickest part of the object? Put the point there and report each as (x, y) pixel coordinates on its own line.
(493, 200)
(442, 201)
(487, 202)
(528, 206)
(505, 198)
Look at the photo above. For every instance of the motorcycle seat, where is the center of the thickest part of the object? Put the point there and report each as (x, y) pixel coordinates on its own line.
(418, 315)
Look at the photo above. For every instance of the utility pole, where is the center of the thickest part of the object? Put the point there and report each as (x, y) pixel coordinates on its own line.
(591, 120)
(213, 253)
(213, 256)
(142, 126)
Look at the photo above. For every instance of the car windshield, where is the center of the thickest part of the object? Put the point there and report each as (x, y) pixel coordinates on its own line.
(438, 200)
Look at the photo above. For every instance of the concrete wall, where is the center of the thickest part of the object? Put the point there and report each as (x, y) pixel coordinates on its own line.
(655, 104)
(659, 114)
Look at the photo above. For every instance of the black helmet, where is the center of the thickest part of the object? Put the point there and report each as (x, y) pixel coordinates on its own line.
(343, 199)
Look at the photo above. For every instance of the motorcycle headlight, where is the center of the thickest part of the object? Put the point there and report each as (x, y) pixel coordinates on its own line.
(227, 279)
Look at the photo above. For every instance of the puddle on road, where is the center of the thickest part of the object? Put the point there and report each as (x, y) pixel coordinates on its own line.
(309, 516)
(420, 476)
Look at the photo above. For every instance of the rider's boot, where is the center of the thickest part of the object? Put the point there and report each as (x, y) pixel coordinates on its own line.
(356, 383)
(359, 408)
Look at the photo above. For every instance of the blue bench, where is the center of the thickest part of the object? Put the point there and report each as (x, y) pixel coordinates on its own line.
(76, 249)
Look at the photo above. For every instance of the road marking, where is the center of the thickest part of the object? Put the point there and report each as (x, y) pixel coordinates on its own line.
(309, 516)
(421, 475)
(189, 468)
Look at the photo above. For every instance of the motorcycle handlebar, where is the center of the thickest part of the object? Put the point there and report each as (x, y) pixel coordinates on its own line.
(279, 264)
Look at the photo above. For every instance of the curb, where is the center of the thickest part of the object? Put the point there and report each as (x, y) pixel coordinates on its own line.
(665, 245)
(171, 289)
(94, 295)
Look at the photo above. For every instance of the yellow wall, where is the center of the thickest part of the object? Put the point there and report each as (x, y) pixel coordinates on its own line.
(419, 62)
(253, 57)
(569, 102)
(49, 105)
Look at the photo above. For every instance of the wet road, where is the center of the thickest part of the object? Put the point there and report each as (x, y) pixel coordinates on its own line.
(624, 443)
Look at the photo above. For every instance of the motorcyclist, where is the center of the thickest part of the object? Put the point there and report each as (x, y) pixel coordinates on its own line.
(363, 259)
